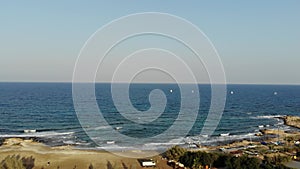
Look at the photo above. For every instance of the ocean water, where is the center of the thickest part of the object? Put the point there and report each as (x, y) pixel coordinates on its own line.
(48, 109)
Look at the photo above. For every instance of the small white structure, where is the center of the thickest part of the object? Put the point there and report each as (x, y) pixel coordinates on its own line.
(147, 163)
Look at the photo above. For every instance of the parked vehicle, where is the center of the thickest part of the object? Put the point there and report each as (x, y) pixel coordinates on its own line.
(147, 163)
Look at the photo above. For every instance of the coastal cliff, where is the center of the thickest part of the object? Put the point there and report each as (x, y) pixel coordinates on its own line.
(293, 121)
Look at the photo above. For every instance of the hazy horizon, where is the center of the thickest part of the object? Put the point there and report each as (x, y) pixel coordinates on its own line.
(269, 84)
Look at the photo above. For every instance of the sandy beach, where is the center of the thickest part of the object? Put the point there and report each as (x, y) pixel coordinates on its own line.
(67, 157)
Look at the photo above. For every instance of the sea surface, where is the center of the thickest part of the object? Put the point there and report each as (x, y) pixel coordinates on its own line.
(48, 109)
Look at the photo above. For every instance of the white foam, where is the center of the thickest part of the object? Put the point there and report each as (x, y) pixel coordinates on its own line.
(215, 139)
(162, 144)
(279, 124)
(69, 142)
(267, 117)
(37, 134)
(99, 128)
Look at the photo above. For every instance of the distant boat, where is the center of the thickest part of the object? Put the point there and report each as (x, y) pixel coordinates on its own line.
(110, 142)
(224, 134)
(275, 93)
(171, 91)
(231, 92)
(29, 131)
(118, 128)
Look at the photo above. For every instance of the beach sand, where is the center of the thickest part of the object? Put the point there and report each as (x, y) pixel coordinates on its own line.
(66, 157)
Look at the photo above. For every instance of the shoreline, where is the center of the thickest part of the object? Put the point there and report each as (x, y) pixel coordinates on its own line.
(215, 140)
(67, 156)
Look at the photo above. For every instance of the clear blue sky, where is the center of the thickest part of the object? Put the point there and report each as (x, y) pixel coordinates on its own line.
(258, 41)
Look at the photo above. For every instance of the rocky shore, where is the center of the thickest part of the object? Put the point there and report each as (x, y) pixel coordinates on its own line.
(293, 121)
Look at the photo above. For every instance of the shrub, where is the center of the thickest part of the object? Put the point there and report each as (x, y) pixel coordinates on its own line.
(174, 153)
(243, 162)
(16, 162)
(197, 159)
(28, 162)
(12, 162)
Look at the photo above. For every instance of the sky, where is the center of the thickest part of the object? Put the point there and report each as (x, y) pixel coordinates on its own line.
(258, 41)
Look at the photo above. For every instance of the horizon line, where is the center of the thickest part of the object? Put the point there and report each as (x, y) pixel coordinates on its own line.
(288, 84)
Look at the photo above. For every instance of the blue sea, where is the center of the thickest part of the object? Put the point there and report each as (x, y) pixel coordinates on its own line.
(48, 109)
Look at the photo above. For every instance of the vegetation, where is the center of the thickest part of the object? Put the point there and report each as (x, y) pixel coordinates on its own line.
(221, 160)
(276, 161)
(199, 159)
(270, 163)
(175, 153)
(243, 162)
(28, 162)
(12, 162)
(16, 162)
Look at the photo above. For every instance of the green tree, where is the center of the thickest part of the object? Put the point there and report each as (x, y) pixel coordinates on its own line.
(208, 158)
(198, 159)
(188, 159)
(251, 163)
(243, 162)
(221, 159)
